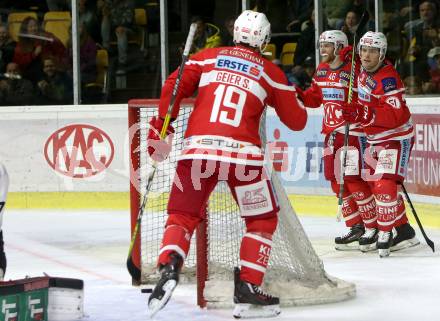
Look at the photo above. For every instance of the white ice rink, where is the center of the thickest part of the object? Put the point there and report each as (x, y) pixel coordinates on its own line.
(93, 246)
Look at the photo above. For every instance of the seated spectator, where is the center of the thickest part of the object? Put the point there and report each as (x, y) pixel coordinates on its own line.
(228, 35)
(55, 87)
(425, 35)
(118, 18)
(59, 5)
(207, 35)
(35, 45)
(7, 47)
(350, 25)
(413, 85)
(299, 12)
(15, 90)
(306, 42)
(433, 85)
(301, 76)
(88, 16)
(87, 59)
(335, 10)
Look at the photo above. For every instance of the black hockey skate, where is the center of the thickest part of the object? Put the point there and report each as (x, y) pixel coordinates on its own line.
(166, 284)
(368, 241)
(405, 237)
(384, 243)
(349, 242)
(2, 258)
(251, 302)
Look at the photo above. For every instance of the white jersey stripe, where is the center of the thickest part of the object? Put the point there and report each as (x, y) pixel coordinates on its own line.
(175, 248)
(200, 62)
(277, 84)
(253, 86)
(253, 266)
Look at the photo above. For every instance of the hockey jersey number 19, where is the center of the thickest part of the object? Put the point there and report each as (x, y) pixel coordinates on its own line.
(234, 86)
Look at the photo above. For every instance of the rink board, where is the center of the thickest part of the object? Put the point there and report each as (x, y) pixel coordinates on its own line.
(77, 157)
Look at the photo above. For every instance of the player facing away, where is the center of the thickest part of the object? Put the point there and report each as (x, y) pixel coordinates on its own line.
(330, 86)
(4, 185)
(382, 112)
(222, 142)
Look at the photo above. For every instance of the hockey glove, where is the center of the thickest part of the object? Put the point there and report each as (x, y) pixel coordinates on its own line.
(357, 113)
(346, 53)
(159, 149)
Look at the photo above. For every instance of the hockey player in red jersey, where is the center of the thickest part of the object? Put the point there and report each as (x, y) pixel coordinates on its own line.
(382, 112)
(222, 142)
(330, 88)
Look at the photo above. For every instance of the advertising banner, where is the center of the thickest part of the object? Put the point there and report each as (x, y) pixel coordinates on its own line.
(85, 148)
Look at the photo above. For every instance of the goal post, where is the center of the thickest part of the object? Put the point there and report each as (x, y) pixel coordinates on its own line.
(295, 272)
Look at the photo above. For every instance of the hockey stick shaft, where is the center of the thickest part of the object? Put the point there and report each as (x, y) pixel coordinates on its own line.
(361, 25)
(132, 269)
(413, 210)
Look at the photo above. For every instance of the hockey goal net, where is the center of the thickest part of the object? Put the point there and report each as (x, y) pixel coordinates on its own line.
(295, 273)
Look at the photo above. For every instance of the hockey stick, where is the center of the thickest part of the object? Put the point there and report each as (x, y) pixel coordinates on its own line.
(427, 239)
(132, 268)
(360, 27)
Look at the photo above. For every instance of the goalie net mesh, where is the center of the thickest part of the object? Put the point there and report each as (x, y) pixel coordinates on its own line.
(295, 272)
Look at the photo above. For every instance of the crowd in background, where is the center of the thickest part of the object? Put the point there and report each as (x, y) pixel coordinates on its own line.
(37, 68)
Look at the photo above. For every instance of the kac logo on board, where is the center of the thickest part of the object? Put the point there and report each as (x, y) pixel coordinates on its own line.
(79, 151)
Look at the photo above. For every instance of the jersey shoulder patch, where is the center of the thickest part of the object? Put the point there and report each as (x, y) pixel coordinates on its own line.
(389, 84)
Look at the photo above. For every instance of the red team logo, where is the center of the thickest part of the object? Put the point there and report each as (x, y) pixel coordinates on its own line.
(79, 151)
(254, 199)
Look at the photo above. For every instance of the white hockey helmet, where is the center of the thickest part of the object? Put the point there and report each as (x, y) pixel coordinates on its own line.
(374, 40)
(336, 37)
(252, 28)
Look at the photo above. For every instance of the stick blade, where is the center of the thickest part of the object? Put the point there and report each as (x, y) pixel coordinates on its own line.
(134, 271)
(431, 245)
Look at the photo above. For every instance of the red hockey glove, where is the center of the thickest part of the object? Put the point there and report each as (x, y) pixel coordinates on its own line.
(357, 113)
(159, 149)
(345, 53)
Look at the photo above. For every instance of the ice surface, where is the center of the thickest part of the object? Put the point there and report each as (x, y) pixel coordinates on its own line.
(93, 246)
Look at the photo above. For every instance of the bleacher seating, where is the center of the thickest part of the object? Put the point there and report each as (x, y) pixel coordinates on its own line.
(287, 54)
(58, 23)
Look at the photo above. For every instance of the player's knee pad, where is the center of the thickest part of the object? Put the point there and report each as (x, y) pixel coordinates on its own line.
(189, 222)
(177, 236)
(262, 226)
(385, 189)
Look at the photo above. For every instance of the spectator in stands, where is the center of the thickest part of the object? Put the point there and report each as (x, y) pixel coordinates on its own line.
(228, 34)
(59, 5)
(335, 10)
(350, 25)
(301, 76)
(426, 34)
(433, 85)
(117, 17)
(207, 35)
(299, 13)
(88, 16)
(306, 42)
(55, 87)
(413, 85)
(33, 46)
(15, 90)
(7, 47)
(87, 59)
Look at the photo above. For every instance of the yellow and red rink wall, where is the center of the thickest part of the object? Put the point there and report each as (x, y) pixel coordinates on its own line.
(77, 157)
